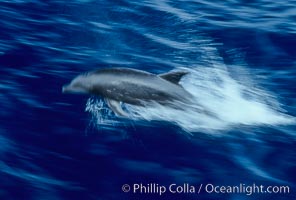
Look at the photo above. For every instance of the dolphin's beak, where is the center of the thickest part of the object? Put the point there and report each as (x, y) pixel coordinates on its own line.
(65, 89)
(73, 89)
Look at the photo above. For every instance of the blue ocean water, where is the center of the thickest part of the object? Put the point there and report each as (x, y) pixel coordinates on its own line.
(241, 58)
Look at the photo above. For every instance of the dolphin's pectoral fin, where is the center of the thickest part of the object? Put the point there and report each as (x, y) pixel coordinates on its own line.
(115, 107)
(173, 77)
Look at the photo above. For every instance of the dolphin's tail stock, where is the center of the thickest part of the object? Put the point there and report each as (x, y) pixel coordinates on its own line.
(193, 107)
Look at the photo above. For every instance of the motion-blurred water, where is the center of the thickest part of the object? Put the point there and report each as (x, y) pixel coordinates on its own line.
(241, 59)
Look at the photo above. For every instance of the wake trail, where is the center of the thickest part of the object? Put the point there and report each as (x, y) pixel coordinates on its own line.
(220, 101)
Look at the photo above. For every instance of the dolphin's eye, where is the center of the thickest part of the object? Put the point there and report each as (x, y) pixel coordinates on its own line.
(74, 84)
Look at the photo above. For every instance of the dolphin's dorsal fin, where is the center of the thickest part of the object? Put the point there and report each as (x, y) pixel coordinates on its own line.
(116, 107)
(173, 76)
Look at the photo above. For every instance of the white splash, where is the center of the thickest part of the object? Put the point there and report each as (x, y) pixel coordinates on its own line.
(101, 114)
(231, 101)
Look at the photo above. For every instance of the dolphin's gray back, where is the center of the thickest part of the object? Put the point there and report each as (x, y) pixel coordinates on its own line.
(135, 86)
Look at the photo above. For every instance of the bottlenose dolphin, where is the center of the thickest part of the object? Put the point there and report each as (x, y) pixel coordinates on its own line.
(132, 86)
